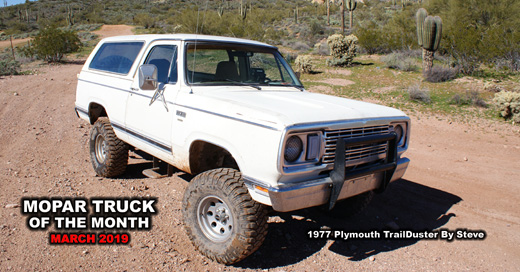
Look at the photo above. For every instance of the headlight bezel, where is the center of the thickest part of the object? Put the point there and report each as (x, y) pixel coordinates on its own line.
(403, 141)
(307, 139)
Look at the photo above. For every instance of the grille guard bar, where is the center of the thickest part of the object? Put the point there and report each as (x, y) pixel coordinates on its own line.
(339, 176)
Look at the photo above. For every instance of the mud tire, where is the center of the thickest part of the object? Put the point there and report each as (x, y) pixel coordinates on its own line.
(217, 194)
(108, 154)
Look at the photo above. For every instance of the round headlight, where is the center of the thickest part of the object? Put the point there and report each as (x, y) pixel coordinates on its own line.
(398, 129)
(293, 148)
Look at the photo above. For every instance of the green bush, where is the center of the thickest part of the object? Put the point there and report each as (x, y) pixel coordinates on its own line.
(371, 38)
(8, 66)
(51, 44)
(342, 49)
(145, 20)
(508, 103)
(303, 64)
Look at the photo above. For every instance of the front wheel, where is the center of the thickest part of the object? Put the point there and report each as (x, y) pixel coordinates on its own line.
(222, 220)
(109, 155)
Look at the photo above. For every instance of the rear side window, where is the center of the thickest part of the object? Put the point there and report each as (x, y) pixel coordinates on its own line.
(116, 57)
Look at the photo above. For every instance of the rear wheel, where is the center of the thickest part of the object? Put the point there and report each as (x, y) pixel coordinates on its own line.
(109, 155)
(222, 220)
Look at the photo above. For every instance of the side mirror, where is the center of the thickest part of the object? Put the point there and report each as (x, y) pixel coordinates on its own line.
(148, 77)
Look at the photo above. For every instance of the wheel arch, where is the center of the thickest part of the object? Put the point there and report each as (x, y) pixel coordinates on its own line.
(207, 155)
(95, 111)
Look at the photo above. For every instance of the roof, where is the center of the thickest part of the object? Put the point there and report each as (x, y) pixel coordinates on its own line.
(184, 37)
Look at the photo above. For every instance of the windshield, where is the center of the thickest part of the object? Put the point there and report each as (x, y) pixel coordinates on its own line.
(224, 64)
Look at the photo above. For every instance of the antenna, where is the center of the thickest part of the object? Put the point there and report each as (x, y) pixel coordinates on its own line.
(196, 33)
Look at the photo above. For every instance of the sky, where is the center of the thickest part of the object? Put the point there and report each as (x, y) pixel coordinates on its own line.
(12, 2)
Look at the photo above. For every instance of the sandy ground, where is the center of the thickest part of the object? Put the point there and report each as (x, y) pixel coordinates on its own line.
(103, 32)
(461, 176)
(7, 43)
(114, 30)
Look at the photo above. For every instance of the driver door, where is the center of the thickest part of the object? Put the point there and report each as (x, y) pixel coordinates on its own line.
(150, 125)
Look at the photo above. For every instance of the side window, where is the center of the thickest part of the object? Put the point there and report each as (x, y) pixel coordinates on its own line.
(116, 57)
(164, 57)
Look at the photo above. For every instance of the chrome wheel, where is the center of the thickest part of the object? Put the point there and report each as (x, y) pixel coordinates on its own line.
(215, 218)
(101, 147)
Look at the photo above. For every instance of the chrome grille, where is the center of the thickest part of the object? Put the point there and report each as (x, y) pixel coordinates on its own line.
(356, 154)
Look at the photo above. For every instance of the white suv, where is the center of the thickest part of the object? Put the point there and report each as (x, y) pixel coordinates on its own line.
(233, 113)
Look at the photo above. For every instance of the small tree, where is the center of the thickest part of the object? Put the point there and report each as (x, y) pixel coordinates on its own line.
(51, 44)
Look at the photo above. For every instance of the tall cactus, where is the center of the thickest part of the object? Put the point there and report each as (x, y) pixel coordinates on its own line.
(243, 10)
(220, 11)
(429, 32)
(420, 16)
(70, 15)
(351, 6)
(296, 14)
(328, 12)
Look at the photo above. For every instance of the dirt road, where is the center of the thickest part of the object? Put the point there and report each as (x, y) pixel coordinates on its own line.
(114, 30)
(461, 176)
(7, 43)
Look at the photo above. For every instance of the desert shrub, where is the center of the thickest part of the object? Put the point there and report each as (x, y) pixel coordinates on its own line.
(508, 104)
(342, 49)
(8, 66)
(470, 98)
(371, 38)
(300, 46)
(440, 74)
(316, 28)
(87, 36)
(416, 93)
(145, 20)
(400, 61)
(51, 44)
(303, 64)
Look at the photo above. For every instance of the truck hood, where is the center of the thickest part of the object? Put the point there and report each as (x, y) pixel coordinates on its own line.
(281, 108)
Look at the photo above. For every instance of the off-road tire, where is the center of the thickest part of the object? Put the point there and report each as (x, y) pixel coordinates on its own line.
(351, 206)
(113, 161)
(247, 217)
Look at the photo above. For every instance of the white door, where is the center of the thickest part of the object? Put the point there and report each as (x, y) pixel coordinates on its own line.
(151, 125)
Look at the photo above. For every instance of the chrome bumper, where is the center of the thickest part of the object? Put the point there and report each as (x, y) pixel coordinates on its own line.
(317, 192)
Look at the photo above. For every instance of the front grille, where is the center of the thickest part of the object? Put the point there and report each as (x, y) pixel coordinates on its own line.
(355, 154)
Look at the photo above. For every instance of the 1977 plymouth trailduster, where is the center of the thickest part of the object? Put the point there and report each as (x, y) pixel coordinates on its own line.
(233, 113)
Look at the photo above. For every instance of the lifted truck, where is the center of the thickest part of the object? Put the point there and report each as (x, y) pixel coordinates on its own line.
(233, 113)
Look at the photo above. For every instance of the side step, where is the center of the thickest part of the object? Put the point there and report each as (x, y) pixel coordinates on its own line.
(154, 171)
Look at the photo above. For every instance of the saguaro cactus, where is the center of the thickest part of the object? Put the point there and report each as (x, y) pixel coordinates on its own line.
(328, 12)
(220, 11)
(70, 15)
(296, 14)
(243, 10)
(429, 31)
(351, 6)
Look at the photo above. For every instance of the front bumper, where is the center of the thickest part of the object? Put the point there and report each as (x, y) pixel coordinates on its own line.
(317, 192)
(342, 184)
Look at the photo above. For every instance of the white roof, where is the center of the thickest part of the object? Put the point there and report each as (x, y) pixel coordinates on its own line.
(184, 37)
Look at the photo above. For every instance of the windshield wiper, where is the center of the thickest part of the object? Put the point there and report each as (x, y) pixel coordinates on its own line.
(299, 87)
(243, 84)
